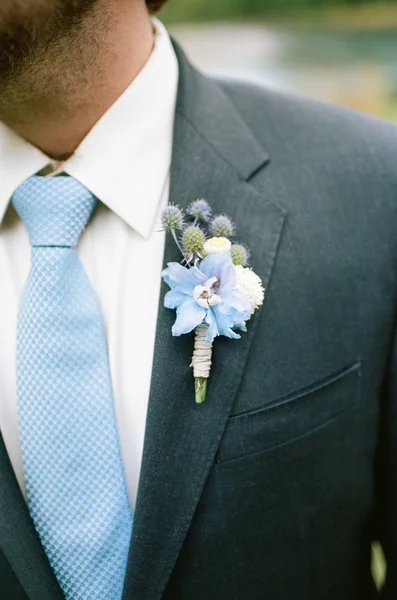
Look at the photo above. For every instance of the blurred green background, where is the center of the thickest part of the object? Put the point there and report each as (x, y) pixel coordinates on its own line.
(204, 10)
(339, 50)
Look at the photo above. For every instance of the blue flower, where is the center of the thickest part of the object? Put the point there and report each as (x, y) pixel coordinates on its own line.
(206, 293)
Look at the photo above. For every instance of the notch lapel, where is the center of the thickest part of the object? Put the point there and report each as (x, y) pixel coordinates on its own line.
(214, 154)
(19, 541)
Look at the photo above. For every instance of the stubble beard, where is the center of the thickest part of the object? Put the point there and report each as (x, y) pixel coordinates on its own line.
(30, 31)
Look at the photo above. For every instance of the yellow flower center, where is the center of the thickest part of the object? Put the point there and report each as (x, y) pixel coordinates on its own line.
(217, 244)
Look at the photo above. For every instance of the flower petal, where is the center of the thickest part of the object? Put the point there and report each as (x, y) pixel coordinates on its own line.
(181, 278)
(212, 331)
(219, 324)
(238, 301)
(189, 316)
(220, 266)
(173, 299)
(225, 324)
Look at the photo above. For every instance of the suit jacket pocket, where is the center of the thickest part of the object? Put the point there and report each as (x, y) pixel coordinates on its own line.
(292, 417)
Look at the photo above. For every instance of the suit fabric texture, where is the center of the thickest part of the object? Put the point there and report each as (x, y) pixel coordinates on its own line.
(277, 485)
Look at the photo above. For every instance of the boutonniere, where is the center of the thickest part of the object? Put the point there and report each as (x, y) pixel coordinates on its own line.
(213, 289)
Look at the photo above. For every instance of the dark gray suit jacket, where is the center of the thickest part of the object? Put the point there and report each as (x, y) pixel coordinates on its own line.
(276, 486)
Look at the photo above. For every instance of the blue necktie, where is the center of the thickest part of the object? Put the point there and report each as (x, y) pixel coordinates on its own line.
(75, 481)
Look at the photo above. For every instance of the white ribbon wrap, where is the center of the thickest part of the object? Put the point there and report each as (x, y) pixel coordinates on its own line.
(202, 355)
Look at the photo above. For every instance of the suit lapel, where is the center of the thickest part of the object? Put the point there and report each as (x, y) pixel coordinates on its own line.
(214, 154)
(19, 541)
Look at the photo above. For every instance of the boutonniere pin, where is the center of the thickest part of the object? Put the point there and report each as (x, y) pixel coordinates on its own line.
(213, 290)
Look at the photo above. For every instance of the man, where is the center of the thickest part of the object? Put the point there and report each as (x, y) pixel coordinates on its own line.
(113, 482)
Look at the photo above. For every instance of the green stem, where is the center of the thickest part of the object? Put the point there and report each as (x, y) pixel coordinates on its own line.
(200, 384)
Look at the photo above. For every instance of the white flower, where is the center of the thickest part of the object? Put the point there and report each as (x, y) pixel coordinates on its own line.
(250, 284)
(205, 295)
(217, 245)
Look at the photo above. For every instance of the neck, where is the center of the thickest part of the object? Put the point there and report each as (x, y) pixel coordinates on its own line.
(56, 102)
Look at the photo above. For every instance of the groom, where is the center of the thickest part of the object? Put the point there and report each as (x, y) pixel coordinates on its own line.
(113, 482)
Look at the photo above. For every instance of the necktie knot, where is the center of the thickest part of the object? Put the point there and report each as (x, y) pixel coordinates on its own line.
(55, 210)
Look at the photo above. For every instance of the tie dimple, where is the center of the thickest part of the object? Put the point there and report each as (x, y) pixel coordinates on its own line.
(55, 210)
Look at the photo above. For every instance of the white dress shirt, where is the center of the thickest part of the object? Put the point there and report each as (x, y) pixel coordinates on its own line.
(125, 162)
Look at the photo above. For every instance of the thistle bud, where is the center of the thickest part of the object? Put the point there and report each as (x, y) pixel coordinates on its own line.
(193, 240)
(222, 226)
(200, 210)
(240, 255)
(172, 218)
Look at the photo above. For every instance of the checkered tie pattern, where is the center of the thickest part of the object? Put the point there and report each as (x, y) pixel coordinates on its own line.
(75, 482)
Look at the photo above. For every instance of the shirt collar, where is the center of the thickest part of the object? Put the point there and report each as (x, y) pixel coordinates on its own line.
(125, 159)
